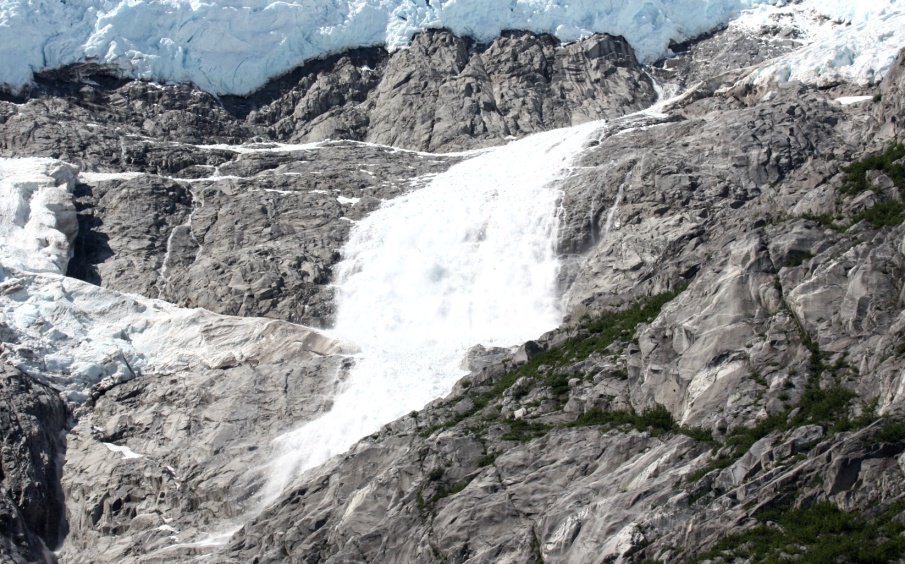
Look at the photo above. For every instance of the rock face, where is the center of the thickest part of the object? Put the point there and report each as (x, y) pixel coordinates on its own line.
(164, 458)
(783, 305)
(441, 94)
(734, 339)
(256, 229)
(33, 424)
(256, 235)
(437, 95)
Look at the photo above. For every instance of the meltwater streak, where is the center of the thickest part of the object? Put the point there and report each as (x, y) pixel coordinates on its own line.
(468, 259)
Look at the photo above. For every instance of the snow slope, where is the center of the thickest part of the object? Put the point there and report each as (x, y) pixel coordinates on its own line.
(232, 47)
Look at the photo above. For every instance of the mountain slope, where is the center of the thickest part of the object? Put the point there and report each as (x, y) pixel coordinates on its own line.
(730, 267)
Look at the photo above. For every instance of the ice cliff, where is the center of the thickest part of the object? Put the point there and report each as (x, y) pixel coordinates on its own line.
(227, 47)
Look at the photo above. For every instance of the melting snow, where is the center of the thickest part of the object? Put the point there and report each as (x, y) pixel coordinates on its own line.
(127, 452)
(849, 100)
(467, 259)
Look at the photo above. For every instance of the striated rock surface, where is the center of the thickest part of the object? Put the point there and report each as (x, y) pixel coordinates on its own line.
(256, 235)
(733, 348)
(33, 425)
(771, 381)
(442, 93)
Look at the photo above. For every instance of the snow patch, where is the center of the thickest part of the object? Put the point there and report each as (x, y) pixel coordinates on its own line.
(92, 177)
(849, 100)
(127, 452)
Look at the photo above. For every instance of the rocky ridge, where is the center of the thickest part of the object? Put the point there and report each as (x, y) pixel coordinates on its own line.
(766, 374)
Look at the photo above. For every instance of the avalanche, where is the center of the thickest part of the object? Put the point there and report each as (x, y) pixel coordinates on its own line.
(227, 47)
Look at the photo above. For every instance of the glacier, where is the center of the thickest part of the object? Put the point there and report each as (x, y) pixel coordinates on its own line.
(229, 47)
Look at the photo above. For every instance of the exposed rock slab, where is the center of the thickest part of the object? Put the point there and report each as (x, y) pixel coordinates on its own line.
(33, 424)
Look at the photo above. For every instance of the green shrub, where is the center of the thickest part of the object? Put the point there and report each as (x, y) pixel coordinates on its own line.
(796, 258)
(855, 179)
(817, 534)
(523, 431)
(892, 432)
(656, 420)
(888, 213)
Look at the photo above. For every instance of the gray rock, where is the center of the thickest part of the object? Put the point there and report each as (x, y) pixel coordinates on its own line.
(712, 200)
(526, 352)
(33, 423)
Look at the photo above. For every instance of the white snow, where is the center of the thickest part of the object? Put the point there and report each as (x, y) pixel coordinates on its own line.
(127, 452)
(252, 148)
(849, 100)
(347, 201)
(229, 47)
(91, 177)
(467, 259)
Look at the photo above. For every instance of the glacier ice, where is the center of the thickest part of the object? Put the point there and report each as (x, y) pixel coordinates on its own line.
(37, 217)
(230, 47)
(857, 44)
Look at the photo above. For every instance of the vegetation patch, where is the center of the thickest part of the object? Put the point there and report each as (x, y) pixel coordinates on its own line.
(888, 213)
(427, 505)
(796, 258)
(817, 534)
(827, 407)
(523, 431)
(657, 420)
(890, 433)
(824, 220)
(594, 335)
(855, 180)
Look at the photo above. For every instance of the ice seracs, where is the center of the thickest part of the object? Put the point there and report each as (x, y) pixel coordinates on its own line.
(852, 42)
(76, 334)
(37, 217)
(227, 47)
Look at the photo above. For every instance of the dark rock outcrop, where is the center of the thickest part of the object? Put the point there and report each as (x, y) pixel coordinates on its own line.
(33, 424)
